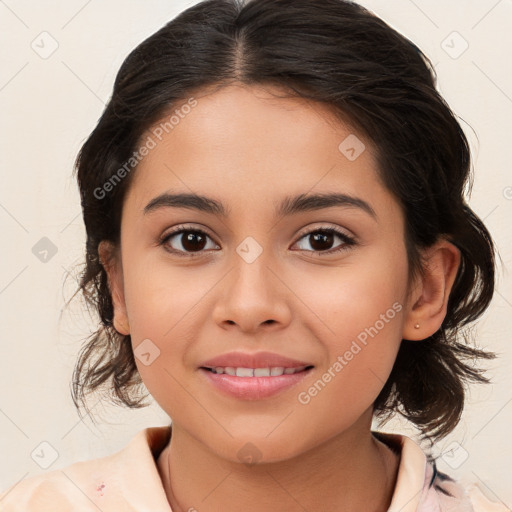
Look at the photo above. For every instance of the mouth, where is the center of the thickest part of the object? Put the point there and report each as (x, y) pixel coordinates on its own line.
(245, 383)
(273, 371)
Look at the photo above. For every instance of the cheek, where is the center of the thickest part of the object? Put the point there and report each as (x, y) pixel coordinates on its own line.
(165, 305)
(161, 296)
(351, 296)
(160, 306)
(359, 316)
(361, 303)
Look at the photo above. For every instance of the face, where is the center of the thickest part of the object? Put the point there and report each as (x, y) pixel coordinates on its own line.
(321, 282)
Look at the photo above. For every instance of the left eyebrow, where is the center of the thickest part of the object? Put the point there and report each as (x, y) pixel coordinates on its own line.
(289, 205)
(305, 202)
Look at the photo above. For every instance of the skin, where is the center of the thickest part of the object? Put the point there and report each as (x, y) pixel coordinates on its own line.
(248, 149)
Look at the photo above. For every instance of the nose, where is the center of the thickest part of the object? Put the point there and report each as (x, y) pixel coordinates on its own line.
(253, 296)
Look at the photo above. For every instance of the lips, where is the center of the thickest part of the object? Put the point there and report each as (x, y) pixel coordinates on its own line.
(253, 376)
(256, 360)
(241, 371)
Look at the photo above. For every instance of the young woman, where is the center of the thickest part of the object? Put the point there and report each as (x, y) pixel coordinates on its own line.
(279, 249)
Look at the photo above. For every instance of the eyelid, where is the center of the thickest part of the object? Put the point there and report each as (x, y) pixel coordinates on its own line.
(187, 227)
(348, 240)
(324, 227)
(180, 228)
(304, 231)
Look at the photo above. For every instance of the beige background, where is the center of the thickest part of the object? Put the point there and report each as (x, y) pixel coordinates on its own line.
(48, 107)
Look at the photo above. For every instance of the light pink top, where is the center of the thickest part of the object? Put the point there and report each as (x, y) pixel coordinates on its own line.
(128, 481)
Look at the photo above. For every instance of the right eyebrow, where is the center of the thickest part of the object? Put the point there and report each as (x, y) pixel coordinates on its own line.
(190, 201)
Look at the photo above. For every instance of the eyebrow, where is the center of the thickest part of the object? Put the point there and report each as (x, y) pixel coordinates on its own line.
(289, 205)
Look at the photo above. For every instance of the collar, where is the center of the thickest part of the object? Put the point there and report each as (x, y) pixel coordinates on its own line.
(414, 473)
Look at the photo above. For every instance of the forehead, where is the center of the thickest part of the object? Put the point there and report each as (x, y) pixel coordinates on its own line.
(253, 146)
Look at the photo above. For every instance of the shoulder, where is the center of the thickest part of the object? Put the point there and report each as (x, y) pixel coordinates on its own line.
(111, 483)
(481, 503)
(58, 490)
(444, 493)
(421, 487)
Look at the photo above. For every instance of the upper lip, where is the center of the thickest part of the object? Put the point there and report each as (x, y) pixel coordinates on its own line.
(256, 360)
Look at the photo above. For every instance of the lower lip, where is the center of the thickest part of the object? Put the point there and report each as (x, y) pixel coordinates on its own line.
(253, 388)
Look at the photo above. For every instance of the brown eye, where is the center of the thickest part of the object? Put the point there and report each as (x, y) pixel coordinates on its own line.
(319, 241)
(183, 241)
(322, 240)
(192, 241)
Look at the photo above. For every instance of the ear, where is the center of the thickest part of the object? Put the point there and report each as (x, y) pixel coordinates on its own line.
(111, 261)
(428, 301)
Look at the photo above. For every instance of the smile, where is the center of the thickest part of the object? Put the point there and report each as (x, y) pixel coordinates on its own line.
(274, 371)
(253, 383)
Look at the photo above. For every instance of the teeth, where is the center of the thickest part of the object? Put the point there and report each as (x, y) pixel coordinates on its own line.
(244, 372)
(274, 371)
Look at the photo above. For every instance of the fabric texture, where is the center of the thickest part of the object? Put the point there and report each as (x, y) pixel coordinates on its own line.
(129, 481)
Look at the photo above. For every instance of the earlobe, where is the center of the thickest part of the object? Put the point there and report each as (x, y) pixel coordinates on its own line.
(428, 307)
(111, 262)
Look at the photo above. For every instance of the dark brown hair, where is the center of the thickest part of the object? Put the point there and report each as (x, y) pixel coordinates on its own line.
(334, 52)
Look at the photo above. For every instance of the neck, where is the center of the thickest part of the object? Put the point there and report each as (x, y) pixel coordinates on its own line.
(345, 473)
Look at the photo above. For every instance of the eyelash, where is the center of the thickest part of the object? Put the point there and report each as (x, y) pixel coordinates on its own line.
(347, 240)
